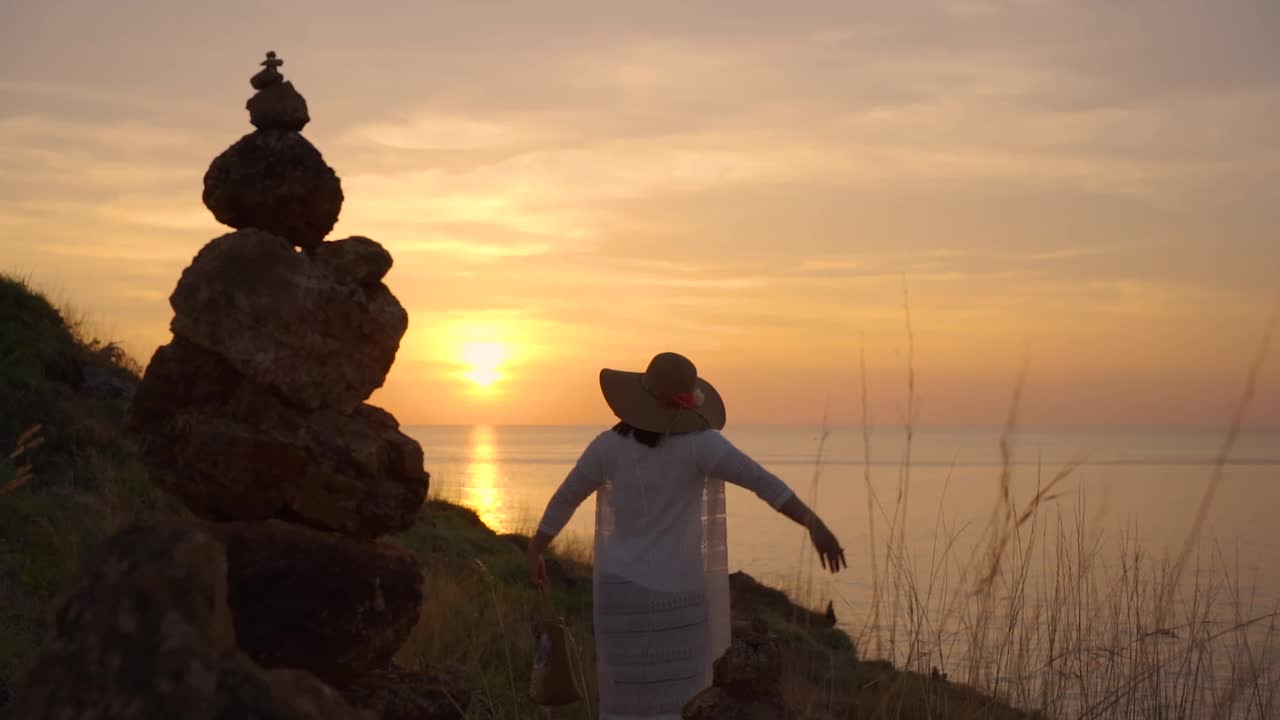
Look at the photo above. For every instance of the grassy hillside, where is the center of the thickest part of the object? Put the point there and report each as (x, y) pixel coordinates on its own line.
(86, 479)
(61, 498)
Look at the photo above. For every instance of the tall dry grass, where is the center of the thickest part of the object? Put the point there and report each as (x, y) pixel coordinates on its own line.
(1043, 610)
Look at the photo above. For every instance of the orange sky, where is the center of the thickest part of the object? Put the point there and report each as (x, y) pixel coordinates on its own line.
(566, 186)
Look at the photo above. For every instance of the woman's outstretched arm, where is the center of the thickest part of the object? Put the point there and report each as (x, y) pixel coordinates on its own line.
(732, 465)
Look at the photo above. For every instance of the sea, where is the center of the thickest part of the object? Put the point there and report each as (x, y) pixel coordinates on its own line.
(1124, 497)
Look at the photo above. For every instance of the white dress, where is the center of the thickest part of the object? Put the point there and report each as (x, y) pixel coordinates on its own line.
(661, 565)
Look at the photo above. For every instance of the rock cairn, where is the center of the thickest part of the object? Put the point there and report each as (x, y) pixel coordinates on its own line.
(254, 416)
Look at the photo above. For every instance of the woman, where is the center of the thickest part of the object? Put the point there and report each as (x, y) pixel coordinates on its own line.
(661, 574)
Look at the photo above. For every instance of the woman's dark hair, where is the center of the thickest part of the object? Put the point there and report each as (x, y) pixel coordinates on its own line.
(644, 437)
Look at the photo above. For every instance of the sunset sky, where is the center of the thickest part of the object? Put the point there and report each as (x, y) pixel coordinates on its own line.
(1094, 186)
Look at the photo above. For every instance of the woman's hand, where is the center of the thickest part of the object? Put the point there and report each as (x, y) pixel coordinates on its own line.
(824, 541)
(537, 568)
(534, 555)
(829, 551)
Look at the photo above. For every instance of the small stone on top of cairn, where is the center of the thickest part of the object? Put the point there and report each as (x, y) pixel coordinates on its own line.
(270, 73)
(276, 105)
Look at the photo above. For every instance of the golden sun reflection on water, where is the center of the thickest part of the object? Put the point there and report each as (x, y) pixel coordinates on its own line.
(480, 480)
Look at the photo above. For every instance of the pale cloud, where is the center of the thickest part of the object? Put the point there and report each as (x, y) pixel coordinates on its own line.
(125, 213)
(473, 248)
(68, 92)
(563, 193)
(121, 138)
(428, 130)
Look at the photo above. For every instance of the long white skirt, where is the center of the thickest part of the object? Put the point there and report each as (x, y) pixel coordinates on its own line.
(653, 649)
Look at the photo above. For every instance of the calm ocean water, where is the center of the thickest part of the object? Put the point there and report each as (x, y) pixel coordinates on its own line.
(1132, 484)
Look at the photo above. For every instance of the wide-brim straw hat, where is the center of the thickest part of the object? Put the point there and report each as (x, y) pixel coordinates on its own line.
(668, 397)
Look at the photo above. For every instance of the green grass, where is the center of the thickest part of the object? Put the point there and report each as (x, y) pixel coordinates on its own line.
(480, 610)
(87, 478)
(34, 337)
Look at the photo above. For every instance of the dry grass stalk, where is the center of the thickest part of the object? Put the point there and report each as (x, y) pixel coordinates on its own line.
(897, 560)
(29, 440)
(804, 568)
(871, 501)
(1224, 453)
(502, 627)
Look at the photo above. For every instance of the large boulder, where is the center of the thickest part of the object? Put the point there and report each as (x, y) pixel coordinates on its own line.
(395, 693)
(146, 633)
(751, 667)
(231, 449)
(277, 181)
(287, 320)
(745, 682)
(334, 606)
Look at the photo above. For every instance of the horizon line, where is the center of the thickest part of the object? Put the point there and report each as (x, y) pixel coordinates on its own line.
(897, 426)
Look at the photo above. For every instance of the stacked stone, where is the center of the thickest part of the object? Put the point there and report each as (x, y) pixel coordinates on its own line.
(745, 681)
(145, 632)
(255, 417)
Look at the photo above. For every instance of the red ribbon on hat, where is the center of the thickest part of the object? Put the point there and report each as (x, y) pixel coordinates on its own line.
(686, 401)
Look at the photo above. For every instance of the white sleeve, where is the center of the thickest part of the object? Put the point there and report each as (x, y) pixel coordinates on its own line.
(721, 459)
(584, 479)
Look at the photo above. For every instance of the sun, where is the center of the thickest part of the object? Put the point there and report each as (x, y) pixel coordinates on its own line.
(482, 352)
(483, 361)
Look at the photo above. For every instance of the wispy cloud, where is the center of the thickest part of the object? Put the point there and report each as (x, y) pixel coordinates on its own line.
(739, 178)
